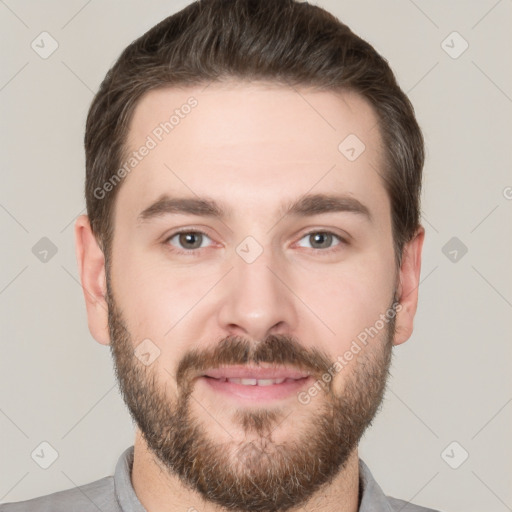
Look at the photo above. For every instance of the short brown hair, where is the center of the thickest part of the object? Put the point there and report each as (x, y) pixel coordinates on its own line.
(281, 41)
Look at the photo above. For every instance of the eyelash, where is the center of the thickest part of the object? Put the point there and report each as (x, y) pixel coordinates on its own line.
(197, 252)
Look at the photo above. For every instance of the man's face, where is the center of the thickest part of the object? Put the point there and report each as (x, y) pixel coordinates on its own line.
(256, 288)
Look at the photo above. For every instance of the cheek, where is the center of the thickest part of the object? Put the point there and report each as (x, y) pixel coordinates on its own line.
(143, 295)
(348, 298)
(157, 300)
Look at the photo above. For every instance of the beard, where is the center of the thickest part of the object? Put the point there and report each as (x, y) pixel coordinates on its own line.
(256, 474)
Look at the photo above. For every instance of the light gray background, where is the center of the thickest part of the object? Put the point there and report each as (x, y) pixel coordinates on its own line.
(451, 380)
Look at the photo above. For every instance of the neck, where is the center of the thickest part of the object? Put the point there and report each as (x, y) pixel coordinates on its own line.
(159, 491)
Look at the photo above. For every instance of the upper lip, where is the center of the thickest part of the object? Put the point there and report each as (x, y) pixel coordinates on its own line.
(255, 372)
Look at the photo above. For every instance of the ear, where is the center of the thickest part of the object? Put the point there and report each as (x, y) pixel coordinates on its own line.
(91, 267)
(407, 293)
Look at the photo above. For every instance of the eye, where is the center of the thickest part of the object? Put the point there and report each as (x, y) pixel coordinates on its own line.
(187, 241)
(322, 240)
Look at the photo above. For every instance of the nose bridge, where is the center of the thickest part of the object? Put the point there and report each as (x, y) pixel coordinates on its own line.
(256, 301)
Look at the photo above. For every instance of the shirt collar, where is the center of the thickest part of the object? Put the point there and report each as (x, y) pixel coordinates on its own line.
(125, 494)
(373, 498)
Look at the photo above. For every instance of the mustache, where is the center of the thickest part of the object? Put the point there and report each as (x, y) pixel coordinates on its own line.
(278, 350)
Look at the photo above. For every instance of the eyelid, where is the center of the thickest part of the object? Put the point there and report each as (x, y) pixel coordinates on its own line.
(186, 229)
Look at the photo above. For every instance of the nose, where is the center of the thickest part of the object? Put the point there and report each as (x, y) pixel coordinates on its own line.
(257, 299)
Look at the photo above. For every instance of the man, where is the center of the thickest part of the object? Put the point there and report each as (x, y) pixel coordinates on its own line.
(251, 254)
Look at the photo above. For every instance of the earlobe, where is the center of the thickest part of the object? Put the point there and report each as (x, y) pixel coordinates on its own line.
(91, 268)
(409, 279)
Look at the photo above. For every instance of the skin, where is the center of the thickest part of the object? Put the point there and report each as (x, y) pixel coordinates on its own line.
(251, 148)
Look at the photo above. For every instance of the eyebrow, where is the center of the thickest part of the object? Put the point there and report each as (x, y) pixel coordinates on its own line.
(305, 206)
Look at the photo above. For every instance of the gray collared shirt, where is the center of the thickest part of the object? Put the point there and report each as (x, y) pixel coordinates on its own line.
(115, 494)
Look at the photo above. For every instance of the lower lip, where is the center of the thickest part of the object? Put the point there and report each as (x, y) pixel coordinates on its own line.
(256, 393)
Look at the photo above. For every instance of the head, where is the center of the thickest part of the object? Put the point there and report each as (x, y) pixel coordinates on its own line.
(253, 175)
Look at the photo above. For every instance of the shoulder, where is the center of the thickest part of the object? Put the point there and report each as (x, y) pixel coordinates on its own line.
(98, 495)
(373, 498)
(397, 505)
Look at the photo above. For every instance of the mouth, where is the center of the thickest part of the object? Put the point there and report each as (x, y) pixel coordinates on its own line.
(255, 384)
(254, 381)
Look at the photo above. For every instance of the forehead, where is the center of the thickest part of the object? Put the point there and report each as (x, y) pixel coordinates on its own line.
(254, 144)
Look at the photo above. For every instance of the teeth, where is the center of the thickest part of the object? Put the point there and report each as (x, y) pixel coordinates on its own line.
(267, 382)
(257, 382)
